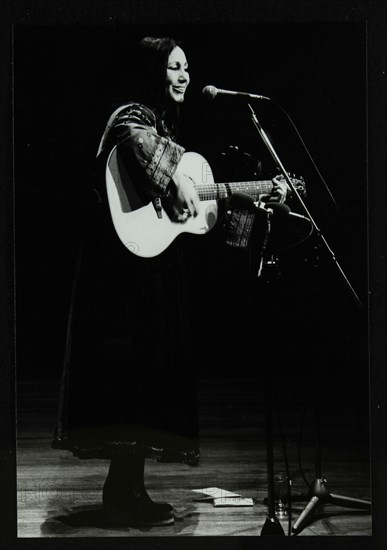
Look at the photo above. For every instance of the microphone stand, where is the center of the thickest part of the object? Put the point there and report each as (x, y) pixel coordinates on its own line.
(318, 492)
(272, 526)
(308, 214)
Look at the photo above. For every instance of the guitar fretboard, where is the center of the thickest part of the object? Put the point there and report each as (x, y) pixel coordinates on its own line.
(215, 191)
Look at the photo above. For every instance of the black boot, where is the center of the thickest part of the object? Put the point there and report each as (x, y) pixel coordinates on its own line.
(125, 499)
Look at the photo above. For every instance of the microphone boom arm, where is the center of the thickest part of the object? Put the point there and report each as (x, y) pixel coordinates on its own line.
(297, 194)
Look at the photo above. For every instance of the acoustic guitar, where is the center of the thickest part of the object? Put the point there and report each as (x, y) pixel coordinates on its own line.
(144, 226)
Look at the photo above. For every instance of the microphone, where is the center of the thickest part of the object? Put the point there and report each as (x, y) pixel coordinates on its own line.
(278, 209)
(244, 201)
(241, 201)
(211, 92)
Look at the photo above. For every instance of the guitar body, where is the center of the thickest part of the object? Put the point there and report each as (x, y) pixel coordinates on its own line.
(138, 224)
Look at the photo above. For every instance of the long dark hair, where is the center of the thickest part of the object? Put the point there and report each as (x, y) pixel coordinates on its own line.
(150, 63)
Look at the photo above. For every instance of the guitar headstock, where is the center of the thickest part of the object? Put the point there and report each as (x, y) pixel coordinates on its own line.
(298, 183)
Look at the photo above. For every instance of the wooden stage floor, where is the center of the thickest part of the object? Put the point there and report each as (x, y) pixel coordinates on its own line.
(60, 496)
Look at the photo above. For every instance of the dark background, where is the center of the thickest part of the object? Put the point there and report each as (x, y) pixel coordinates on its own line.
(35, 345)
(68, 79)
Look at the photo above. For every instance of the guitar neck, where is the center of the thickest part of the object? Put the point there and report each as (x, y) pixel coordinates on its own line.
(215, 191)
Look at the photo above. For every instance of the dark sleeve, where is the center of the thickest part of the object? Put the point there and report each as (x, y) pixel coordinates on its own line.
(238, 227)
(151, 157)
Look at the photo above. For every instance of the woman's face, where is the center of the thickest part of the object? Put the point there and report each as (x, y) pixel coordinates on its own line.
(177, 75)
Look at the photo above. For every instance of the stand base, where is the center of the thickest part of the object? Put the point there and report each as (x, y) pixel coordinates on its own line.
(272, 527)
(318, 495)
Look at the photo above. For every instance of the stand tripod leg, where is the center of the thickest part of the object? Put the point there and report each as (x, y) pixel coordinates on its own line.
(318, 492)
(341, 500)
(321, 495)
(307, 511)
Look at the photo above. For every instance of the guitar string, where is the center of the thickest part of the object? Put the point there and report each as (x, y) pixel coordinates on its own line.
(222, 190)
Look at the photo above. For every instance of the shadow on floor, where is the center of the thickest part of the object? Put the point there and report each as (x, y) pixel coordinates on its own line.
(81, 519)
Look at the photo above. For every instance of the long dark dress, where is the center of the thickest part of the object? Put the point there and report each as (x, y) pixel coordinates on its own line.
(128, 385)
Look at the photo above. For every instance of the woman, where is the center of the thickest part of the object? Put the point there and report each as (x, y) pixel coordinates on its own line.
(128, 332)
(128, 385)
